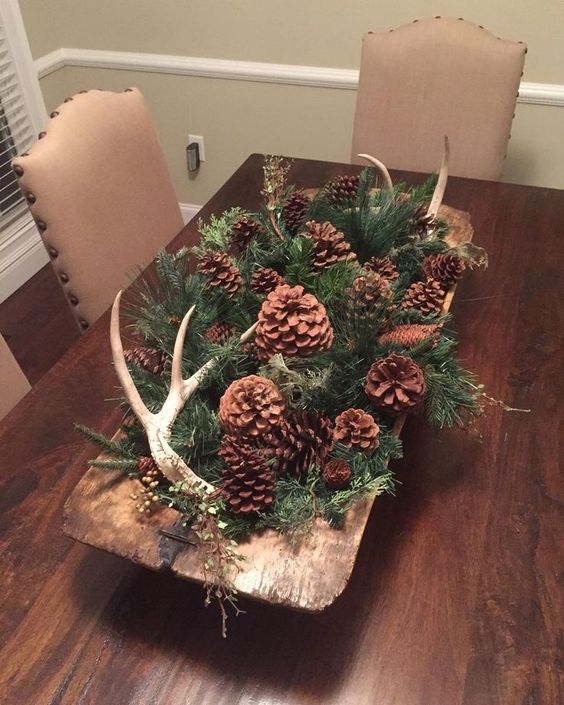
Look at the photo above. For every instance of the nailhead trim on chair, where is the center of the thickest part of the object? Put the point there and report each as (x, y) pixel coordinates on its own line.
(18, 170)
(30, 198)
(41, 225)
(83, 323)
(64, 277)
(41, 135)
(73, 299)
(54, 114)
(53, 253)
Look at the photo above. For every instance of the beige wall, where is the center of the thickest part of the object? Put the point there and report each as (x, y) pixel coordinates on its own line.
(237, 118)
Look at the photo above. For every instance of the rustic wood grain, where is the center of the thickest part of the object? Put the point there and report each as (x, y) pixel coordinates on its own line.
(306, 575)
(456, 596)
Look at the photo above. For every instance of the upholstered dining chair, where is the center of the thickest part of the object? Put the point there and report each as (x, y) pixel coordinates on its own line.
(435, 77)
(13, 382)
(101, 195)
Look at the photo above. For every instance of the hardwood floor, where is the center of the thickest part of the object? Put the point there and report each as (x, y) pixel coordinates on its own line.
(37, 324)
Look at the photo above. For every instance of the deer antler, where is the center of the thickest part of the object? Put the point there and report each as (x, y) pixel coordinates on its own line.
(158, 426)
(381, 168)
(440, 188)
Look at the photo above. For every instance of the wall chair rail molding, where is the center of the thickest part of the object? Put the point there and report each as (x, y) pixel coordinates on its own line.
(311, 76)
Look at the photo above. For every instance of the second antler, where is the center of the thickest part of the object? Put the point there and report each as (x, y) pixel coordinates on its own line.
(158, 426)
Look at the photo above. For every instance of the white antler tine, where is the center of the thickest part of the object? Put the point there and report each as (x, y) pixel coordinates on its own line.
(381, 167)
(440, 188)
(129, 388)
(176, 380)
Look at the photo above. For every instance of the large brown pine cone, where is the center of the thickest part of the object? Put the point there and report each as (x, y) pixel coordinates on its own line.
(251, 406)
(292, 323)
(329, 245)
(305, 439)
(148, 359)
(410, 334)
(395, 384)
(382, 266)
(247, 480)
(220, 272)
(243, 231)
(426, 297)
(294, 210)
(369, 296)
(354, 427)
(219, 332)
(447, 269)
(265, 280)
(343, 190)
(337, 473)
(421, 223)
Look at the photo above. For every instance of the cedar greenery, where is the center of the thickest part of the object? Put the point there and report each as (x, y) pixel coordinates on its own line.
(379, 223)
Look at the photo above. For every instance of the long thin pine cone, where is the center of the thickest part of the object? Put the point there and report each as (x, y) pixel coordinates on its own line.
(220, 272)
(410, 334)
(294, 211)
(427, 297)
(247, 480)
(329, 245)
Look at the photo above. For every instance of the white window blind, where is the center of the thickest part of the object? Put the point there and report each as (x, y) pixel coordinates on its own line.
(16, 133)
(22, 116)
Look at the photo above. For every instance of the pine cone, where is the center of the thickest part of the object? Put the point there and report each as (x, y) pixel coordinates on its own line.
(421, 223)
(219, 332)
(148, 359)
(220, 272)
(305, 439)
(337, 474)
(369, 296)
(343, 190)
(294, 211)
(410, 334)
(251, 406)
(354, 427)
(426, 297)
(446, 269)
(292, 323)
(243, 231)
(329, 245)
(265, 280)
(247, 480)
(395, 384)
(382, 266)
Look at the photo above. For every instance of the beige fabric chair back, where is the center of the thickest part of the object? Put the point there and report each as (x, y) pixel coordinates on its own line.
(99, 189)
(435, 77)
(13, 382)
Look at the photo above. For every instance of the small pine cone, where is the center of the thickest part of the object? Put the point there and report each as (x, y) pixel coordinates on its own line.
(292, 323)
(354, 427)
(243, 231)
(220, 272)
(305, 439)
(265, 280)
(421, 223)
(395, 384)
(219, 332)
(148, 359)
(294, 210)
(426, 297)
(329, 245)
(369, 296)
(251, 406)
(247, 480)
(343, 190)
(410, 334)
(382, 266)
(446, 269)
(337, 474)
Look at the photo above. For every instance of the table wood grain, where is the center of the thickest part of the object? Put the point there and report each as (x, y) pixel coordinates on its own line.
(456, 597)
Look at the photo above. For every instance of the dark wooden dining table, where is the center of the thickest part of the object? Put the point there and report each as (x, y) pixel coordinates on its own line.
(456, 598)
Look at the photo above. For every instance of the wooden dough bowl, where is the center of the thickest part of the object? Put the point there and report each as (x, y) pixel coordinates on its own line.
(100, 513)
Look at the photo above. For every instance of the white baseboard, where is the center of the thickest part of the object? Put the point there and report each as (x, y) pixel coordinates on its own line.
(20, 258)
(189, 211)
(312, 76)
